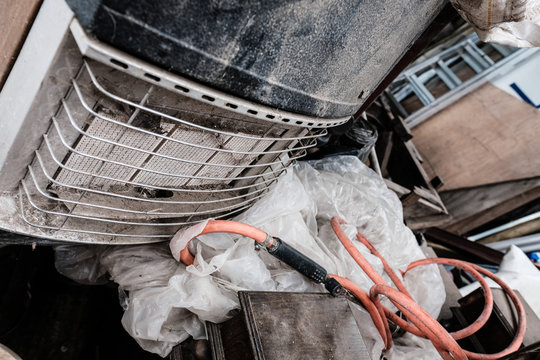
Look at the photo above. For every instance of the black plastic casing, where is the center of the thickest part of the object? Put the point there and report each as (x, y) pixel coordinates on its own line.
(319, 58)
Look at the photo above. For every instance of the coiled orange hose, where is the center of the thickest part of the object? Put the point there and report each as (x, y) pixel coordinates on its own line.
(419, 317)
(420, 322)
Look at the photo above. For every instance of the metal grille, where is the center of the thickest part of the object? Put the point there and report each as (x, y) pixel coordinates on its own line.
(126, 158)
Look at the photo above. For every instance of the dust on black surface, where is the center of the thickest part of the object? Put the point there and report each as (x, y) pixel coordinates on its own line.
(44, 315)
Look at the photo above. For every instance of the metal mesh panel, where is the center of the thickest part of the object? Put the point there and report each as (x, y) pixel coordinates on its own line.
(111, 164)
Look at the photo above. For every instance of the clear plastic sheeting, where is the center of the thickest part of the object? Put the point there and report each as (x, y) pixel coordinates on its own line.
(364, 136)
(168, 302)
(80, 263)
(510, 23)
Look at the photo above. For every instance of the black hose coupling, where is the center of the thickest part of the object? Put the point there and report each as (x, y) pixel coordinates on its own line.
(333, 286)
(304, 265)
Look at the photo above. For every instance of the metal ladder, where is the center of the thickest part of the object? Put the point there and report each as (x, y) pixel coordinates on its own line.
(414, 79)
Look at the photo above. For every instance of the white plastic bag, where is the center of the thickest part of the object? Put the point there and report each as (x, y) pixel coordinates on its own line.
(510, 23)
(168, 302)
(299, 210)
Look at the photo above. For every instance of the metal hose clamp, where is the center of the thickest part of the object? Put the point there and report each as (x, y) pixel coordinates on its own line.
(270, 243)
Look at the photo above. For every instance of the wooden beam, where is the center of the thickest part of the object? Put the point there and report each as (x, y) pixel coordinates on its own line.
(461, 244)
(16, 17)
(398, 189)
(466, 203)
(424, 222)
(480, 218)
(527, 228)
(387, 145)
(410, 199)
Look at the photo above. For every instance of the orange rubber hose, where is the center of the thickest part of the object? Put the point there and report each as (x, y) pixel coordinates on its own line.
(336, 223)
(370, 271)
(488, 295)
(420, 322)
(353, 251)
(522, 320)
(446, 346)
(234, 227)
(378, 317)
(421, 319)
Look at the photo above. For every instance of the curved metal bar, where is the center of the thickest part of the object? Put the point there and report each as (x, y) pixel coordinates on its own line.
(109, 161)
(105, 233)
(163, 201)
(263, 183)
(175, 119)
(113, 221)
(44, 194)
(103, 117)
(84, 133)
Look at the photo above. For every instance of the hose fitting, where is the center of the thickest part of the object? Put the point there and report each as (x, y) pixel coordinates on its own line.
(304, 265)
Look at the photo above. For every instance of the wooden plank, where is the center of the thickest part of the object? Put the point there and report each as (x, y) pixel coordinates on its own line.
(421, 207)
(418, 212)
(423, 222)
(398, 124)
(464, 203)
(486, 137)
(384, 149)
(527, 228)
(16, 18)
(410, 199)
(417, 159)
(482, 217)
(398, 189)
(483, 253)
(428, 195)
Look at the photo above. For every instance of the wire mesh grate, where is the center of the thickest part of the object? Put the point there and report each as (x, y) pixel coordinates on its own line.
(124, 158)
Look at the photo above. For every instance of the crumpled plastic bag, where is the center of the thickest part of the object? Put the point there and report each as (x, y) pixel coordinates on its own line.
(168, 302)
(510, 23)
(80, 263)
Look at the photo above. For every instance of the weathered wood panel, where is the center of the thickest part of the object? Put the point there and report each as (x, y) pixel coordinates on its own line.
(474, 207)
(16, 16)
(486, 137)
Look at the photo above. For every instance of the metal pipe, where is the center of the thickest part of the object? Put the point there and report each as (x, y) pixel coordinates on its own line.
(521, 242)
(506, 226)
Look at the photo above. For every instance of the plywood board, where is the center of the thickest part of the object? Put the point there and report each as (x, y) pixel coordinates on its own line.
(473, 207)
(15, 20)
(486, 137)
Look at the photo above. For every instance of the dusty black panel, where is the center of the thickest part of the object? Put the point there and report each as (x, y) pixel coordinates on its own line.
(321, 58)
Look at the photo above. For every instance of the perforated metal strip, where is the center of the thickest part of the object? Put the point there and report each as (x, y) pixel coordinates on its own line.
(142, 70)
